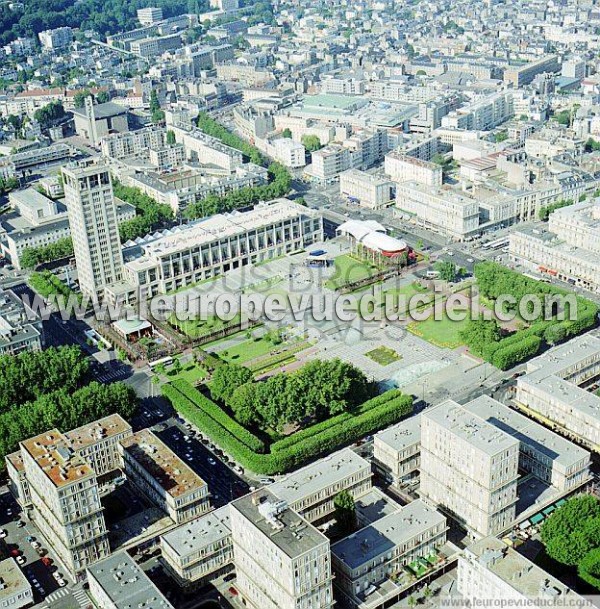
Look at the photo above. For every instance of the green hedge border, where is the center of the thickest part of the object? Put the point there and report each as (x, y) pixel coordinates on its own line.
(326, 436)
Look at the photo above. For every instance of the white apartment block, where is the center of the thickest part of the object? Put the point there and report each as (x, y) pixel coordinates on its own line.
(281, 560)
(482, 114)
(469, 468)
(375, 553)
(121, 145)
(94, 229)
(441, 209)
(551, 388)
(568, 251)
(65, 501)
(163, 477)
(311, 490)
(285, 150)
(403, 168)
(370, 191)
(17, 481)
(119, 583)
(15, 589)
(199, 550)
(397, 451)
(207, 150)
(222, 242)
(167, 157)
(489, 570)
(56, 39)
(98, 443)
(343, 86)
(327, 163)
(543, 453)
(150, 15)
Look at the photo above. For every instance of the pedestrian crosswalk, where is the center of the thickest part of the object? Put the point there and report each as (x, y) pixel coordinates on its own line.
(113, 375)
(79, 595)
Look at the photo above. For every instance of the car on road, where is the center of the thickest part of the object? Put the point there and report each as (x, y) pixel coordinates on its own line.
(267, 480)
(46, 561)
(36, 544)
(21, 560)
(233, 591)
(3, 533)
(212, 461)
(15, 552)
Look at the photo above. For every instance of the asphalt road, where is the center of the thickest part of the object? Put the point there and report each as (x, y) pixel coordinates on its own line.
(224, 484)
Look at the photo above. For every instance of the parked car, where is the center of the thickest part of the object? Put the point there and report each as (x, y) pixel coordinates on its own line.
(3, 533)
(21, 560)
(46, 561)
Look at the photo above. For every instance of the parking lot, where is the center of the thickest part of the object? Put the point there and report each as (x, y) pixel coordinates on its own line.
(224, 484)
(20, 538)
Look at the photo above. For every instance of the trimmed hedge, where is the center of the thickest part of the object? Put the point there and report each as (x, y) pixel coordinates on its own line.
(219, 415)
(510, 356)
(388, 409)
(311, 431)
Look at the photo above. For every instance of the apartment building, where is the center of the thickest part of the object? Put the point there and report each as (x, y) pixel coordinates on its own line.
(17, 480)
(482, 114)
(310, 491)
(403, 168)
(375, 553)
(524, 74)
(56, 39)
(119, 583)
(490, 570)
(121, 145)
(199, 550)
(552, 388)
(397, 451)
(150, 15)
(543, 453)
(94, 229)
(15, 589)
(13, 164)
(343, 86)
(21, 327)
(469, 468)
(442, 210)
(369, 190)
(156, 45)
(328, 162)
(293, 566)
(546, 252)
(206, 150)
(213, 246)
(163, 477)
(65, 501)
(579, 224)
(98, 443)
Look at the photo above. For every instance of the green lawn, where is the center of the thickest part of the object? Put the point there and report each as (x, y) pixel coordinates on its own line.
(195, 328)
(443, 333)
(384, 356)
(190, 372)
(349, 270)
(248, 350)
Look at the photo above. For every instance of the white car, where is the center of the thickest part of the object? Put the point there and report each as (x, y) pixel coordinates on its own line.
(21, 560)
(3, 533)
(36, 544)
(61, 582)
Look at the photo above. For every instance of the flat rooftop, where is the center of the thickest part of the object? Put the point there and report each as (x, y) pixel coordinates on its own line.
(292, 534)
(320, 475)
(126, 584)
(13, 579)
(550, 373)
(401, 435)
(223, 226)
(374, 505)
(102, 429)
(556, 448)
(517, 571)
(193, 536)
(480, 434)
(387, 533)
(55, 457)
(174, 476)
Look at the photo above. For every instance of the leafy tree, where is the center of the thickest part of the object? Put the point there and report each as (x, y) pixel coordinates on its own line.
(287, 133)
(171, 137)
(479, 333)
(32, 256)
(103, 97)
(501, 136)
(447, 270)
(155, 110)
(572, 530)
(244, 404)
(226, 379)
(49, 113)
(589, 568)
(345, 511)
(312, 143)
(80, 97)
